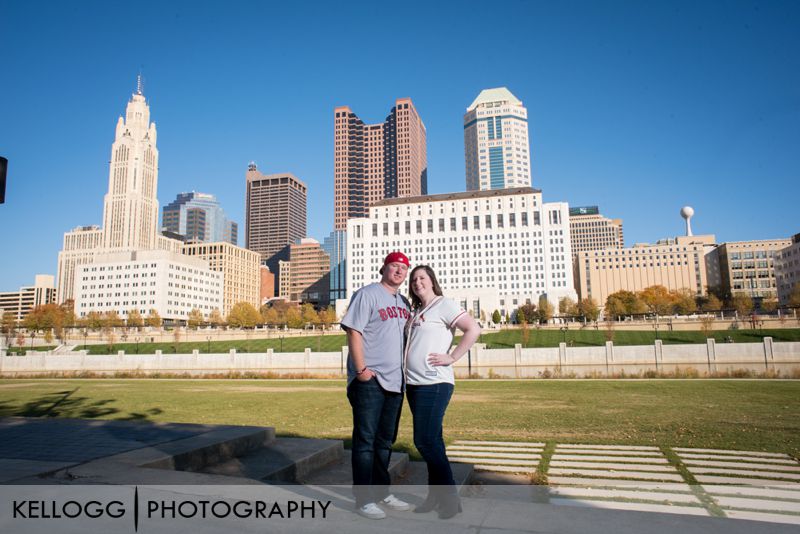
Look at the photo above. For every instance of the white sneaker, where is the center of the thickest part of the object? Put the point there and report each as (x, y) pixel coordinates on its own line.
(371, 511)
(394, 503)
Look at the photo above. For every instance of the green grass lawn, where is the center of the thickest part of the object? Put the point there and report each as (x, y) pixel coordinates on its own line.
(728, 414)
(503, 339)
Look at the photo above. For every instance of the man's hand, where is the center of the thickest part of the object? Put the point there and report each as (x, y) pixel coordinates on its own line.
(366, 376)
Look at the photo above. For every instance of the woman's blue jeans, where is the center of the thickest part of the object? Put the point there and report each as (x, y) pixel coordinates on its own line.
(376, 414)
(428, 404)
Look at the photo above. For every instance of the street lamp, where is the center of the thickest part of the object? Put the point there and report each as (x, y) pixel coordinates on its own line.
(208, 339)
(564, 332)
(33, 335)
(137, 344)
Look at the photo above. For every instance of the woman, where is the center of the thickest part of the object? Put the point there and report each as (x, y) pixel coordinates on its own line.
(430, 380)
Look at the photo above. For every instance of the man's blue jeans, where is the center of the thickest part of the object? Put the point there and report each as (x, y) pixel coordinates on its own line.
(376, 415)
(428, 404)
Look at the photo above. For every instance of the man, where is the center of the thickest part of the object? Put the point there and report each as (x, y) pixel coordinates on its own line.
(375, 323)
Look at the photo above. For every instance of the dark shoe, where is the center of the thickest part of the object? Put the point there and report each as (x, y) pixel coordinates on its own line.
(431, 502)
(449, 505)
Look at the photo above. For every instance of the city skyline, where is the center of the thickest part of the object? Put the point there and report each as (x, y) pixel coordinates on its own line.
(685, 107)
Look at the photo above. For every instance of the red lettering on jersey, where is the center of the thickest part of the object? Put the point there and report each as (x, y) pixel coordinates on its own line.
(383, 315)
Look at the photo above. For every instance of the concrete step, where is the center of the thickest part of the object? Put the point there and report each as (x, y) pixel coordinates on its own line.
(198, 452)
(341, 472)
(285, 460)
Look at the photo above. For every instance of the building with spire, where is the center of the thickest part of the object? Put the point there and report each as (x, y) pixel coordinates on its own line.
(129, 239)
(496, 146)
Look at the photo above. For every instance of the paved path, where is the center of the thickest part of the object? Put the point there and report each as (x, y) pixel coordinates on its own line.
(705, 482)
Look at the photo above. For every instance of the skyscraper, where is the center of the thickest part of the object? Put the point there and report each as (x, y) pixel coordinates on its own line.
(199, 218)
(377, 161)
(130, 208)
(496, 141)
(275, 214)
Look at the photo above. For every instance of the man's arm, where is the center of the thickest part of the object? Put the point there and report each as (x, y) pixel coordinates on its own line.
(355, 344)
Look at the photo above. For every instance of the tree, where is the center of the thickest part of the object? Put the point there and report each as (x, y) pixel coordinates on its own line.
(521, 318)
(8, 326)
(657, 299)
(588, 308)
(528, 311)
(68, 312)
(135, 319)
(742, 303)
(624, 303)
(769, 304)
(794, 296)
(567, 307)
(309, 314)
(707, 325)
(112, 319)
(684, 301)
(496, 317)
(154, 319)
(94, 320)
(195, 318)
(545, 309)
(614, 307)
(243, 315)
(294, 319)
(215, 317)
(328, 316)
(269, 315)
(712, 303)
(44, 317)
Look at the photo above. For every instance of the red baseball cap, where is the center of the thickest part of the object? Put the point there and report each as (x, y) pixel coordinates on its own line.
(395, 257)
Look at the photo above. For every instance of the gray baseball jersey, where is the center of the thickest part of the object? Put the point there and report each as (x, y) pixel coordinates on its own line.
(380, 317)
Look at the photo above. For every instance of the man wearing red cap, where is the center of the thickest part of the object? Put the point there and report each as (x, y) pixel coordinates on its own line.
(375, 323)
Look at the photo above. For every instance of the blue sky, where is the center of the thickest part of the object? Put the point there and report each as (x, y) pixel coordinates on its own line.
(638, 107)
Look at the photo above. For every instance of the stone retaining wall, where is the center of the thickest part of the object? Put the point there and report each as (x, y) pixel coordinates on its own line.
(609, 360)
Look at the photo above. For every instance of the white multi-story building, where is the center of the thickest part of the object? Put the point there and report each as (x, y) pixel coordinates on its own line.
(787, 269)
(19, 303)
(491, 250)
(170, 283)
(496, 146)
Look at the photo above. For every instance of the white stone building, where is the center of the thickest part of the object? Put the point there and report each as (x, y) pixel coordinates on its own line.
(491, 250)
(170, 283)
(496, 148)
(787, 269)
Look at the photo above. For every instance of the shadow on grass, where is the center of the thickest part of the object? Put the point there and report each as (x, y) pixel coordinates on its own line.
(68, 404)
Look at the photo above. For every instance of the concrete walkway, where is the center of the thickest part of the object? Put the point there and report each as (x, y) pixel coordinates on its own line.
(60, 460)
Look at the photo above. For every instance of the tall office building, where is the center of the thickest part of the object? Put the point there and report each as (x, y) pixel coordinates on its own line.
(335, 245)
(199, 218)
(275, 215)
(130, 207)
(377, 161)
(128, 264)
(496, 146)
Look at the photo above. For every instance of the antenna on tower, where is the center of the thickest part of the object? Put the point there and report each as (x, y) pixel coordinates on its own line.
(139, 83)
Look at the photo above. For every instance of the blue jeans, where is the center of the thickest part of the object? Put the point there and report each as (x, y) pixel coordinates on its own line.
(428, 404)
(376, 414)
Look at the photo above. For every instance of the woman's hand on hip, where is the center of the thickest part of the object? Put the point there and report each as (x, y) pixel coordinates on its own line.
(438, 360)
